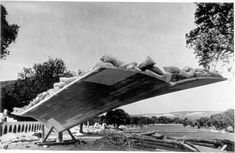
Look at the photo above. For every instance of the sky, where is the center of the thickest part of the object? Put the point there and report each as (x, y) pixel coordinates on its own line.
(80, 33)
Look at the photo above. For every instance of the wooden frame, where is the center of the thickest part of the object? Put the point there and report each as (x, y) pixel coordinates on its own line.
(59, 139)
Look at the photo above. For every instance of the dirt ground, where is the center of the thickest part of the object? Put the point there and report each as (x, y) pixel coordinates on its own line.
(94, 142)
(108, 140)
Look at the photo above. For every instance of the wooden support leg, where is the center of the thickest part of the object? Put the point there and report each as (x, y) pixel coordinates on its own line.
(47, 135)
(81, 128)
(1, 129)
(71, 135)
(43, 131)
(59, 137)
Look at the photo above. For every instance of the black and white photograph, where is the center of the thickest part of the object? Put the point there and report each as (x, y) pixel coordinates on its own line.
(117, 76)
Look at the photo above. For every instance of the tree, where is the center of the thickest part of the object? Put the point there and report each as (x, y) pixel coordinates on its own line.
(202, 122)
(117, 117)
(8, 33)
(212, 39)
(223, 120)
(33, 81)
(165, 120)
(187, 122)
(134, 120)
(177, 120)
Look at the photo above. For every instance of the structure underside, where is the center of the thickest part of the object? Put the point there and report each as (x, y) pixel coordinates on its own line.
(101, 90)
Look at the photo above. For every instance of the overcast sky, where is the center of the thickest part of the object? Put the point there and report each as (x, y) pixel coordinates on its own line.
(81, 33)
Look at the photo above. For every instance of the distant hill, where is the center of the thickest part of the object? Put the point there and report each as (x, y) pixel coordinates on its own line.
(184, 114)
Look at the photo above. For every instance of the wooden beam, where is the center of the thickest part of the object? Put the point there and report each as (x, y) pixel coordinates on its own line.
(81, 128)
(47, 135)
(70, 133)
(59, 137)
(43, 131)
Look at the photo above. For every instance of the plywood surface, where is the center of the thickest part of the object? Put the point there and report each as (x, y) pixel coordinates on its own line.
(101, 90)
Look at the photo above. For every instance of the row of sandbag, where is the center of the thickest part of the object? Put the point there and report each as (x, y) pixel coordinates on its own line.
(168, 73)
(56, 87)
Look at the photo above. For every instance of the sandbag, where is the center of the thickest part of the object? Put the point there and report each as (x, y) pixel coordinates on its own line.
(55, 89)
(147, 63)
(51, 92)
(156, 70)
(106, 65)
(188, 69)
(59, 85)
(214, 74)
(174, 77)
(35, 101)
(112, 60)
(171, 69)
(201, 70)
(42, 95)
(166, 77)
(67, 80)
(185, 75)
(202, 74)
(134, 67)
(16, 109)
(126, 64)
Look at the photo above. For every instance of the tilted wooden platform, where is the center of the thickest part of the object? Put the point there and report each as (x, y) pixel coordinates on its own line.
(101, 90)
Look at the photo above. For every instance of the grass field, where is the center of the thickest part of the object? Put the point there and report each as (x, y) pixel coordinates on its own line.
(175, 130)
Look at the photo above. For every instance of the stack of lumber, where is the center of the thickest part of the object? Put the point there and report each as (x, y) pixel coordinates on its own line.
(214, 143)
(150, 143)
(153, 141)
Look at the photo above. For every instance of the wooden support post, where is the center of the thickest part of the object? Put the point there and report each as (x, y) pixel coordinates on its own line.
(43, 131)
(59, 137)
(81, 128)
(71, 135)
(47, 135)
(1, 128)
(87, 123)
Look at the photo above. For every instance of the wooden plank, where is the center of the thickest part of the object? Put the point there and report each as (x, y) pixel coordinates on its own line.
(148, 133)
(52, 143)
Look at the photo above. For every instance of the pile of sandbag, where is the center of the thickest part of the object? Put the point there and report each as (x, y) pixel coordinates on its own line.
(56, 87)
(168, 74)
(148, 66)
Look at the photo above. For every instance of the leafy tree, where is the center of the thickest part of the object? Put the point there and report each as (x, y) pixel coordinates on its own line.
(165, 120)
(223, 120)
(218, 122)
(177, 120)
(202, 122)
(135, 120)
(117, 117)
(8, 33)
(187, 122)
(143, 120)
(212, 39)
(155, 119)
(33, 81)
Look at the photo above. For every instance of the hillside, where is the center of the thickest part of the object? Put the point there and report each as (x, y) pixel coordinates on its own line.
(184, 114)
